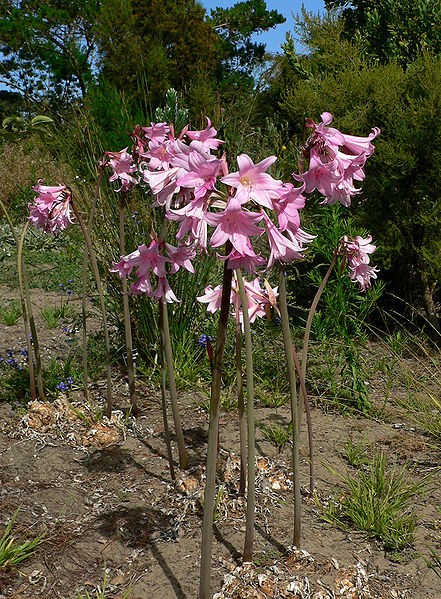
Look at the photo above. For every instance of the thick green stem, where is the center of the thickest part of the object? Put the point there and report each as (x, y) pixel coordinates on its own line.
(241, 404)
(127, 323)
(24, 284)
(164, 397)
(22, 281)
(251, 491)
(287, 340)
(94, 263)
(213, 429)
(183, 457)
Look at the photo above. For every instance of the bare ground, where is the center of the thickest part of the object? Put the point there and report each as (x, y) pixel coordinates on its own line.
(102, 495)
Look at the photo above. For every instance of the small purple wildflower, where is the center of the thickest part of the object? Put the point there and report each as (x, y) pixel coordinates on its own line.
(203, 340)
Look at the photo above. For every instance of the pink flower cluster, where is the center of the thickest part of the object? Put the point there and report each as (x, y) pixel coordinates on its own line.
(356, 252)
(336, 160)
(260, 300)
(51, 210)
(256, 215)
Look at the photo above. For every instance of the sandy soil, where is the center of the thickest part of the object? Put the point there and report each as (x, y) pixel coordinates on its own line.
(102, 495)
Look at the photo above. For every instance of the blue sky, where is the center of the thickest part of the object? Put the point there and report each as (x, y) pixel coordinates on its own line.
(275, 37)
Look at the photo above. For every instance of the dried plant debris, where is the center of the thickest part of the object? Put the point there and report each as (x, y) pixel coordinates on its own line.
(299, 575)
(75, 423)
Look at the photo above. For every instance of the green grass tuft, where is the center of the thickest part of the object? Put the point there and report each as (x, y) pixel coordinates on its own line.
(377, 501)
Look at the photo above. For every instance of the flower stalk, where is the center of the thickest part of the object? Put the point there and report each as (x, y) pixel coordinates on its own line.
(165, 336)
(251, 491)
(126, 309)
(213, 431)
(288, 344)
(23, 282)
(94, 263)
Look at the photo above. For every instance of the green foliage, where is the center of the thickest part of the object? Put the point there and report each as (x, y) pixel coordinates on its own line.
(10, 312)
(54, 314)
(235, 26)
(172, 112)
(276, 434)
(378, 501)
(400, 204)
(393, 29)
(356, 453)
(101, 592)
(16, 127)
(45, 45)
(58, 371)
(12, 553)
(15, 385)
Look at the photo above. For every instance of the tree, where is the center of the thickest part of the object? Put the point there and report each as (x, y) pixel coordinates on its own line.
(391, 29)
(401, 198)
(235, 27)
(47, 46)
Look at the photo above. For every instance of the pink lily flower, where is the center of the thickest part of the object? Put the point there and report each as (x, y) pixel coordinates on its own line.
(204, 140)
(287, 207)
(202, 175)
(51, 210)
(253, 182)
(357, 252)
(180, 256)
(363, 273)
(281, 248)
(193, 221)
(157, 131)
(123, 166)
(213, 298)
(236, 225)
(251, 262)
(335, 159)
(164, 291)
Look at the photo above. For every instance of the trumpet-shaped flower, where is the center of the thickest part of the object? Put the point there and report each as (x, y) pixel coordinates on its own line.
(281, 248)
(180, 256)
(202, 175)
(213, 298)
(123, 167)
(51, 210)
(253, 182)
(357, 252)
(335, 160)
(236, 225)
(146, 261)
(204, 140)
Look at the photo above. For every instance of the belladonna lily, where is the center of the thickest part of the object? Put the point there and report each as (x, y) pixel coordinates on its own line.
(236, 225)
(259, 299)
(335, 160)
(253, 182)
(123, 167)
(51, 210)
(357, 253)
